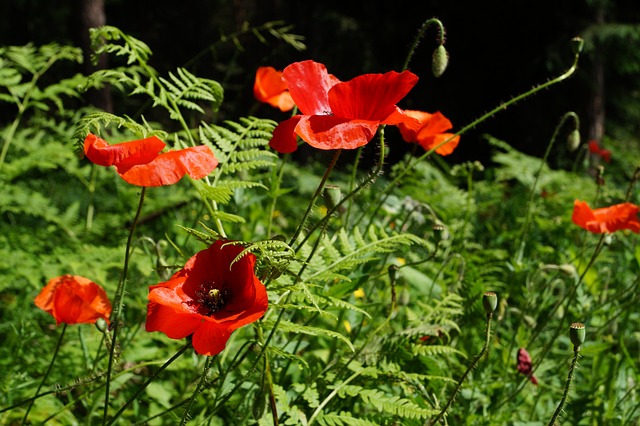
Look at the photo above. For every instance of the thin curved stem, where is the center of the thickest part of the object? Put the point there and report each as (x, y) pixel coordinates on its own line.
(119, 299)
(46, 375)
(419, 36)
(525, 227)
(567, 386)
(473, 365)
(185, 415)
(149, 380)
(314, 198)
(503, 106)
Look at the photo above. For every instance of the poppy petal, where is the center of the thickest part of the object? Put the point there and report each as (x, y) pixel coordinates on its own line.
(284, 139)
(431, 141)
(210, 339)
(142, 151)
(371, 96)
(309, 84)
(169, 167)
(607, 219)
(176, 325)
(328, 132)
(270, 88)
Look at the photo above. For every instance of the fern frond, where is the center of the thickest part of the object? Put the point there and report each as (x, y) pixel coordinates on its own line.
(94, 123)
(342, 418)
(288, 327)
(101, 42)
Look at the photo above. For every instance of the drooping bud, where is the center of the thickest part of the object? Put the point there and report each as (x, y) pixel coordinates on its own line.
(392, 270)
(439, 232)
(577, 334)
(101, 325)
(439, 60)
(573, 140)
(576, 45)
(332, 195)
(489, 302)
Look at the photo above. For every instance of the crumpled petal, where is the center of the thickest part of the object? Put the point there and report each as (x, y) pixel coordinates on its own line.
(270, 88)
(329, 132)
(142, 151)
(370, 97)
(72, 299)
(285, 139)
(431, 132)
(607, 219)
(309, 84)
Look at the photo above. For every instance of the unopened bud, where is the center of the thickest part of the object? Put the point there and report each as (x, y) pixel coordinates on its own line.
(439, 232)
(489, 302)
(573, 140)
(392, 270)
(439, 61)
(332, 196)
(577, 334)
(101, 325)
(576, 45)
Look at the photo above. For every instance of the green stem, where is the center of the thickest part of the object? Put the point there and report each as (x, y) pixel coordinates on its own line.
(314, 198)
(275, 182)
(503, 106)
(525, 227)
(567, 386)
(331, 396)
(46, 375)
(119, 299)
(149, 380)
(368, 181)
(185, 415)
(473, 365)
(419, 36)
(352, 182)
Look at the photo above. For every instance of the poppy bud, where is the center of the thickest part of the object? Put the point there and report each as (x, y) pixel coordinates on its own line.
(439, 61)
(259, 404)
(101, 325)
(577, 334)
(439, 232)
(489, 302)
(332, 195)
(576, 45)
(392, 270)
(573, 140)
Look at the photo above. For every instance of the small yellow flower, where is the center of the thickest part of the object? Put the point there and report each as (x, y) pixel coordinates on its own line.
(401, 261)
(347, 326)
(359, 293)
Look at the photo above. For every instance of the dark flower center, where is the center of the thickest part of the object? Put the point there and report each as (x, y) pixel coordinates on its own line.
(209, 299)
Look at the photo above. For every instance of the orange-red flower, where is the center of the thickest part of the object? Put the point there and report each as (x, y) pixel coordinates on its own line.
(141, 162)
(595, 149)
(72, 299)
(525, 366)
(340, 115)
(431, 131)
(209, 298)
(607, 219)
(271, 89)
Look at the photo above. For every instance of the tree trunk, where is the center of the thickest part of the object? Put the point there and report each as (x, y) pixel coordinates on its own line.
(92, 15)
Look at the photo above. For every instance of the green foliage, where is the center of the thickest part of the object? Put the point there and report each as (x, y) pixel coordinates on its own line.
(373, 316)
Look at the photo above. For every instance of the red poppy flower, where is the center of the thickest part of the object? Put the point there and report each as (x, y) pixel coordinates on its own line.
(431, 131)
(72, 299)
(337, 115)
(271, 89)
(141, 163)
(595, 149)
(209, 298)
(607, 219)
(525, 366)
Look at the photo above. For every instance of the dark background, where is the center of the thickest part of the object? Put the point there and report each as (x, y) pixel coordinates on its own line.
(497, 50)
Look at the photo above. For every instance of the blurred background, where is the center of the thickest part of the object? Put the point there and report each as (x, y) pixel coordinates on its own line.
(497, 50)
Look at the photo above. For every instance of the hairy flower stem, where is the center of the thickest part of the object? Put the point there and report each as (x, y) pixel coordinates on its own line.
(119, 299)
(149, 380)
(567, 300)
(473, 365)
(352, 182)
(46, 375)
(503, 106)
(196, 391)
(368, 181)
(567, 386)
(314, 198)
(423, 29)
(520, 242)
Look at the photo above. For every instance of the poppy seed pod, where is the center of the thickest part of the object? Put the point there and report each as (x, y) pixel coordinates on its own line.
(489, 302)
(573, 140)
(439, 61)
(577, 334)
